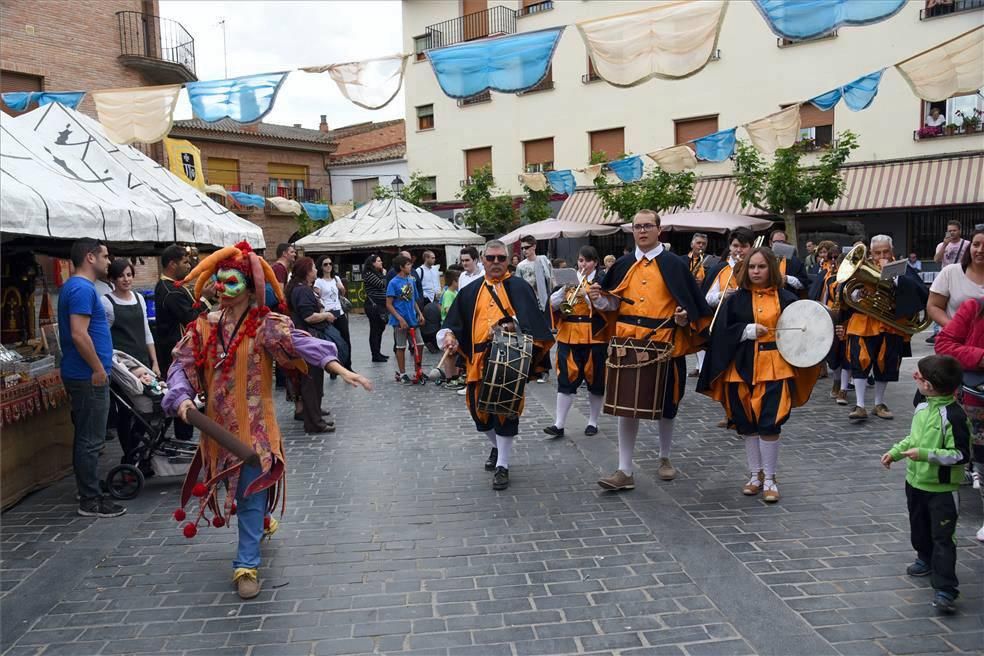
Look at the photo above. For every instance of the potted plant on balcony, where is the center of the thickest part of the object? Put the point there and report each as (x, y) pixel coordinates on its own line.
(928, 132)
(970, 122)
(951, 129)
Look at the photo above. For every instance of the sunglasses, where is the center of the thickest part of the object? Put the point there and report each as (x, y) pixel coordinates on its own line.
(496, 258)
(325, 264)
(527, 246)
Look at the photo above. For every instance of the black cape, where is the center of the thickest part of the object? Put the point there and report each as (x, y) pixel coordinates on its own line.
(796, 269)
(676, 274)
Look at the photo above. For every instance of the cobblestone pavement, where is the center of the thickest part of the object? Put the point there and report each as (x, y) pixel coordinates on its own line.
(393, 542)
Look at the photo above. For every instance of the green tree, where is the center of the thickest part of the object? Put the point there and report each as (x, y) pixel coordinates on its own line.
(306, 225)
(413, 192)
(657, 190)
(536, 206)
(491, 211)
(783, 187)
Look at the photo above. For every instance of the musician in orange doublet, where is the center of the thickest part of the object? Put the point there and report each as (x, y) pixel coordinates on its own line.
(825, 290)
(497, 299)
(746, 373)
(661, 303)
(581, 351)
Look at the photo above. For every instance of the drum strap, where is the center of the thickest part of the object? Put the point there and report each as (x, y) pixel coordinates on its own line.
(768, 346)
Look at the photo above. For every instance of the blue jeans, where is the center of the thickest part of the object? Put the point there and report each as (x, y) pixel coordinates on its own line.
(249, 516)
(90, 410)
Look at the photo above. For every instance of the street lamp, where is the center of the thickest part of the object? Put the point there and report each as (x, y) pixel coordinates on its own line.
(397, 186)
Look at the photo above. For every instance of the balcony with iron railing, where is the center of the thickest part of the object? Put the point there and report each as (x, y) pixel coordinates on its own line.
(947, 8)
(494, 21)
(160, 48)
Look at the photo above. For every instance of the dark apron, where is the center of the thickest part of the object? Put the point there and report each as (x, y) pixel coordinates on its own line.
(128, 330)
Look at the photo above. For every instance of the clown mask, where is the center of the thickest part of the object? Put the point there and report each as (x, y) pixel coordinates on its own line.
(230, 284)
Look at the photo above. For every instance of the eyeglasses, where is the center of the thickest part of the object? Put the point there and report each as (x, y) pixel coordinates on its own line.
(644, 227)
(496, 258)
(527, 246)
(326, 264)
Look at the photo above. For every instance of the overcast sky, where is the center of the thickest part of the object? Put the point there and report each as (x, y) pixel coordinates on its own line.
(265, 37)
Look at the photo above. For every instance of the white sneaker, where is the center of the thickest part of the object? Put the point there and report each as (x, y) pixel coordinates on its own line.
(980, 534)
(462, 391)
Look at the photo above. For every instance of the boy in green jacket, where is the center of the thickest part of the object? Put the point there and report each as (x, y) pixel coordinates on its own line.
(938, 446)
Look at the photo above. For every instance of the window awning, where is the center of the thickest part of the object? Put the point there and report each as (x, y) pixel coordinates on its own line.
(903, 184)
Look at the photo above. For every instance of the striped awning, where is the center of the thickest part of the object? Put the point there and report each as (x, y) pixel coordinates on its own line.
(905, 184)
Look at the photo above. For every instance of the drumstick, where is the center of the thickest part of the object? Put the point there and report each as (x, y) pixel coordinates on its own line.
(222, 437)
(440, 372)
(801, 329)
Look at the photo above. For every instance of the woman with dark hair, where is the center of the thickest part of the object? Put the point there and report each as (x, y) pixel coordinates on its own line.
(746, 373)
(957, 283)
(126, 313)
(374, 278)
(332, 291)
(307, 315)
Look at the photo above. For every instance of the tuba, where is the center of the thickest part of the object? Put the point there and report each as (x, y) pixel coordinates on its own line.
(877, 300)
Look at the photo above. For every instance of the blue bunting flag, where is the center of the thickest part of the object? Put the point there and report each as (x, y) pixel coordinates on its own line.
(317, 211)
(561, 181)
(244, 99)
(808, 19)
(248, 200)
(857, 95)
(716, 147)
(19, 101)
(628, 169)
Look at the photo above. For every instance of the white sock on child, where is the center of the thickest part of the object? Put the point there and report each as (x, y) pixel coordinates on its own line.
(564, 403)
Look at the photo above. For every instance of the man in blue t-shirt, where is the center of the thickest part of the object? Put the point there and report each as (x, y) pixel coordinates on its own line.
(87, 356)
(401, 301)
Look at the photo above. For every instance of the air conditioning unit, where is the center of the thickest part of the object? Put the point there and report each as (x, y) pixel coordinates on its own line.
(458, 218)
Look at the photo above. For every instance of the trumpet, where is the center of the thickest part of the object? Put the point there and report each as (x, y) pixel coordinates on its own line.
(574, 296)
(724, 290)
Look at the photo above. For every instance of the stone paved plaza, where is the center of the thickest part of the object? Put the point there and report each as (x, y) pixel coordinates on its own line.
(394, 542)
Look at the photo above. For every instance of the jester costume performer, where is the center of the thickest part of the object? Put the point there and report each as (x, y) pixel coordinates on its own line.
(746, 373)
(227, 357)
(666, 306)
(497, 299)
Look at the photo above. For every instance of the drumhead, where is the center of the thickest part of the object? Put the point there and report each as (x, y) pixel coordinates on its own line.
(804, 333)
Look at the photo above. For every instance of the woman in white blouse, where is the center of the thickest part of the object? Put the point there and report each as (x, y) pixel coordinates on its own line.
(958, 282)
(331, 289)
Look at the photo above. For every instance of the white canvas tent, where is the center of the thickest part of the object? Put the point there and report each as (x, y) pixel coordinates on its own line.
(388, 222)
(60, 177)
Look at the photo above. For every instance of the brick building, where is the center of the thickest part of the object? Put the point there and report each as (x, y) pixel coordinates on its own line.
(368, 154)
(267, 160)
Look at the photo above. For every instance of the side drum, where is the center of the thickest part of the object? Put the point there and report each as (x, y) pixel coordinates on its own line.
(507, 369)
(635, 377)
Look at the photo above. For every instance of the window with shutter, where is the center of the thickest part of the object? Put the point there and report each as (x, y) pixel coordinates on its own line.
(816, 126)
(425, 117)
(610, 142)
(477, 158)
(688, 129)
(538, 155)
(10, 81)
(362, 190)
(223, 171)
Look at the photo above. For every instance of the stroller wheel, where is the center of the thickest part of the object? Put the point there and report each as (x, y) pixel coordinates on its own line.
(124, 482)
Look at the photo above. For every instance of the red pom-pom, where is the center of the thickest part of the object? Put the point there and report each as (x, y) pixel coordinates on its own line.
(282, 307)
(179, 515)
(232, 511)
(199, 490)
(218, 522)
(244, 247)
(190, 530)
(266, 523)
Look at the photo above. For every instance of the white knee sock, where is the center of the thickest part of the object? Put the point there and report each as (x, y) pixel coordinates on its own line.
(880, 386)
(596, 401)
(628, 429)
(752, 454)
(845, 377)
(860, 385)
(564, 403)
(770, 457)
(490, 434)
(665, 437)
(700, 360)
(505, 448)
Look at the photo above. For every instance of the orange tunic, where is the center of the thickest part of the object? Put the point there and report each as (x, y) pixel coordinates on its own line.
(576, 329)
(487, 315)
(769, 364)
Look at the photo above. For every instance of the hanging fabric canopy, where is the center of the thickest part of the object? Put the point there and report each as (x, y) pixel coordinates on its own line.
(62, 178)
(628, 169)
(285, 205)
(247, 200)
(693, 220)
(533, 181)
(555, 228)
(561, 181)
(670, 40)
(716, 147)
(857, 94)
(808, 19)
(775, 131)
(141, 114)
(372, 83)
(953, 67)
(19, 101)
(508, 64)
(317, 211)
(674, 159)
(387, 222)
(244, 99)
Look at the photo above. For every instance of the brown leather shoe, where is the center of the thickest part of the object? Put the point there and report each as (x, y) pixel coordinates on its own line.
(842, 397)
(835, 389)
(754, 484)
(859, 414)
(770, 491)
(617, 481)
(247, 583)
(723, 423)
(666, 471)
(881, 410)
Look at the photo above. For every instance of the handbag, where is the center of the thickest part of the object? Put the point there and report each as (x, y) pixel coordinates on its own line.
(346, 304)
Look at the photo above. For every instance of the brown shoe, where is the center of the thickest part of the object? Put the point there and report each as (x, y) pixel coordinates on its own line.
(842, 397)
(617, 481)
(666, 472)
(859, 414)
(753, 486)
(770, 491)
(246, 582)
(723, 423)
(835, 389)
(881, 410)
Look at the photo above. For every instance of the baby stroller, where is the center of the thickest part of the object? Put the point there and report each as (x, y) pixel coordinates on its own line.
(143, 399)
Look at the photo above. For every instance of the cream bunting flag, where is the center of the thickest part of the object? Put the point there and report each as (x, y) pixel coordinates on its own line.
(285, 205)
(670, 40)
(533, 181)
(953, 67)
(141, 114)
(372, 83)
(775, 131)
(674, 159)
(216, 189)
